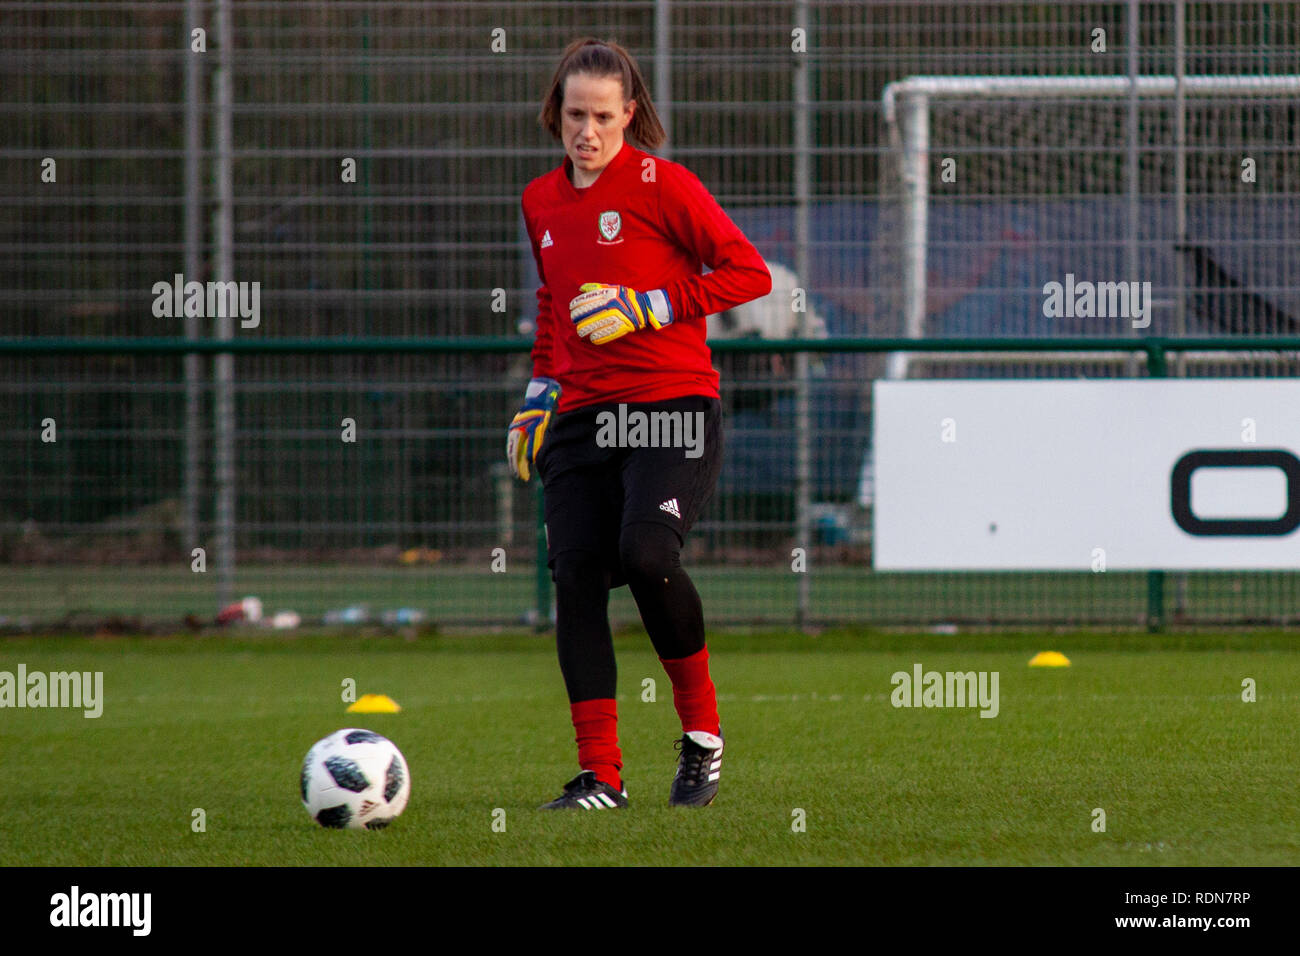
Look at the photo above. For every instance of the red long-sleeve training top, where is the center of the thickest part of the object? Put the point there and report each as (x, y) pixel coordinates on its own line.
(646, 223)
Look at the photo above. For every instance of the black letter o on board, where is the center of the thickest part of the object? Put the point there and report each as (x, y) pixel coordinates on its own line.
(1180, 492)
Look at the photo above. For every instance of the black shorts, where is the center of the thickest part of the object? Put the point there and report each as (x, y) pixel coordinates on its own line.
(601, 474)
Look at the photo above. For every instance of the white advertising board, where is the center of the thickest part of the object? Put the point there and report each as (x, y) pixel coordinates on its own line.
(1177, 474)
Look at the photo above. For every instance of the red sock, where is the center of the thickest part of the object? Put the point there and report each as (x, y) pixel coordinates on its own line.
(595, 723)
(693, 693)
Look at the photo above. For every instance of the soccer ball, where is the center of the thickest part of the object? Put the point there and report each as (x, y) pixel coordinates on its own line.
(355, 778)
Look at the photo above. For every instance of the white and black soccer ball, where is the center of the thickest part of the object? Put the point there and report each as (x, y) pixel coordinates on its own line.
(355, 778)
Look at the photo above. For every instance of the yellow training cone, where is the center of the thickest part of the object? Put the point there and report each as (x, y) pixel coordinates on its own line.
(374, 704)
(1049, 659)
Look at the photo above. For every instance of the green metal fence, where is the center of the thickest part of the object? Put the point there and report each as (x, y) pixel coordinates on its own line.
(363, 160)
(418, 514)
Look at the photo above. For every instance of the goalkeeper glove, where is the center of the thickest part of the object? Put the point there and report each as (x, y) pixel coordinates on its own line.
(528, 427)
(603, 313)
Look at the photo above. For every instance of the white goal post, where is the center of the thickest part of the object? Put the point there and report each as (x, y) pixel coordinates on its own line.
(907, 108)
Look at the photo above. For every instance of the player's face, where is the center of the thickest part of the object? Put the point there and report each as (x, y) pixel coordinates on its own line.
(593, 118)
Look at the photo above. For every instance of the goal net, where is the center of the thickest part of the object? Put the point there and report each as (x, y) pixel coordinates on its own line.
(994, 187)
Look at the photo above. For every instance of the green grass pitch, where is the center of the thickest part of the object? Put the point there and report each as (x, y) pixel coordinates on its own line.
(1152, 730)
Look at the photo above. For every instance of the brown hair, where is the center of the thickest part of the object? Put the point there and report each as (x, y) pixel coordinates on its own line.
(605, 58)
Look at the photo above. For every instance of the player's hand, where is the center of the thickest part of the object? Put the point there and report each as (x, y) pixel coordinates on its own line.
(528, 427)
(603, 313)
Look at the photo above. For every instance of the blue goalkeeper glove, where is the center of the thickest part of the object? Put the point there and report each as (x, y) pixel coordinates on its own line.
(528, 427)
(603, 313)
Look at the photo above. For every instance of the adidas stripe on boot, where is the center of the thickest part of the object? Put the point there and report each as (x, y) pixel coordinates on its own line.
(585, 792)
(698, 768)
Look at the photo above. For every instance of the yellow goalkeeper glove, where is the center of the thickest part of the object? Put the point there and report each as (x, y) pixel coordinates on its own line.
(603, 313)
(528, 427)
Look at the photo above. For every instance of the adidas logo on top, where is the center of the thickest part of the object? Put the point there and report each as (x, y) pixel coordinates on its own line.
(546, 240)
(671, 507)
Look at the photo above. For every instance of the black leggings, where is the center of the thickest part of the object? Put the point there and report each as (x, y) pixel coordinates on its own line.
(670, 607)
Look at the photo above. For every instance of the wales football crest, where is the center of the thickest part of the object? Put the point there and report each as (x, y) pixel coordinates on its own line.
(611, 224)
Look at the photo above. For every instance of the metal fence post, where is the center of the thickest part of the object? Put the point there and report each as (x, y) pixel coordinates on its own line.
(543, 573)
(1180, 224)
(1131, 162)
(1157, 367)
(664, 71)
(192, 364)
(803, 264)
(223, 271)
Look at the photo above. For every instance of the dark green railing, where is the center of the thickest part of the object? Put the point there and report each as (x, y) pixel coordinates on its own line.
(1156, 347)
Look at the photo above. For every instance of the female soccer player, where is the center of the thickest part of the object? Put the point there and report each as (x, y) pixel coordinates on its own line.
(619, 236)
